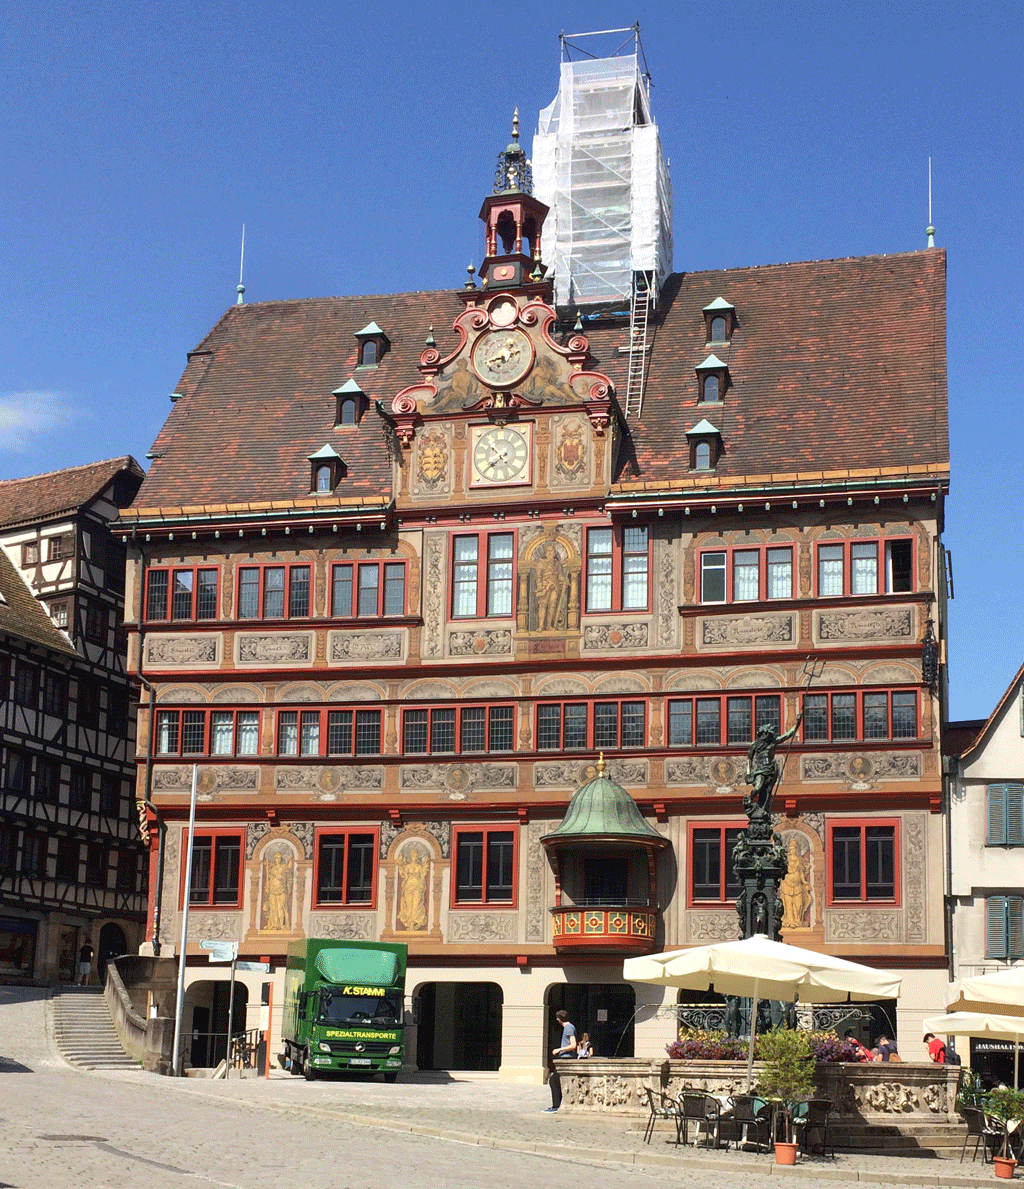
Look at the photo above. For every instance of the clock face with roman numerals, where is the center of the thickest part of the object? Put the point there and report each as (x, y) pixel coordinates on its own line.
(502, 357)
(501, 454)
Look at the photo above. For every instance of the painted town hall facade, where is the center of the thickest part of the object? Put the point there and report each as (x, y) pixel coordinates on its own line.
(405, 569)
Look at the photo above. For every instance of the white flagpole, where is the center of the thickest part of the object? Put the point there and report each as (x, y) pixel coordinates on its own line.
(753, 1035)
(180, 1001)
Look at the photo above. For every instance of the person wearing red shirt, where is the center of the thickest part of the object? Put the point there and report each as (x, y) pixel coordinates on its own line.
(936, 1048)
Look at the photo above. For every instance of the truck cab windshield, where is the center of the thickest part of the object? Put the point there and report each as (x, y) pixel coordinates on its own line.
(381, 1010)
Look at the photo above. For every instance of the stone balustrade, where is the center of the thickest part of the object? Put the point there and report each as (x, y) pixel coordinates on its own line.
(870, 1092)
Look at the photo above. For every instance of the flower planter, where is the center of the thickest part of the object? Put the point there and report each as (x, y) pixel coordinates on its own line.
(1004, 1165)
(785, 1153)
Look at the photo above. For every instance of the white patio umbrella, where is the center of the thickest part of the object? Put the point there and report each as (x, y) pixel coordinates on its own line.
(760, 968)
(989, 1001)
(980, 1024)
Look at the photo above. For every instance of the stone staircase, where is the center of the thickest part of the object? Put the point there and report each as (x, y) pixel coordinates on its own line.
(84, 1032)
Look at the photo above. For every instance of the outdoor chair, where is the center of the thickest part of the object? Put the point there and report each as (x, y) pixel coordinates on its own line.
(661, 1107)
(815, 1122)
(986, 1136)
(701, 1109)
(755, 1128)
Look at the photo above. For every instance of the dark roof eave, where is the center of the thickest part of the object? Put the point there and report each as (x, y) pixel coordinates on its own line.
(654, 839)
(243, 517)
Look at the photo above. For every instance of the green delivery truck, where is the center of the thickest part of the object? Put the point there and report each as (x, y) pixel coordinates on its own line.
(343, 1004)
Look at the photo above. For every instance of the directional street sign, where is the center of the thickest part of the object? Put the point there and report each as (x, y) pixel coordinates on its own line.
(262, 967)
(220, 951)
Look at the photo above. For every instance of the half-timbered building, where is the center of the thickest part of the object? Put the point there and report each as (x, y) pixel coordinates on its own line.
(72, 863)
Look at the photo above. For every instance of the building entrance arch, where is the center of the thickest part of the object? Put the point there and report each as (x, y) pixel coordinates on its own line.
(459, 1026)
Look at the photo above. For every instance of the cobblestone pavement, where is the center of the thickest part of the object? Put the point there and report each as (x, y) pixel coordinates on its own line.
(131, 1130)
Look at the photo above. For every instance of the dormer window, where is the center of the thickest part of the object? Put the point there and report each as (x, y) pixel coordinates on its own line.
(712, 379)
(705, 446)
(719, 321)
(373, 343)
(351, 403)
(327, 469)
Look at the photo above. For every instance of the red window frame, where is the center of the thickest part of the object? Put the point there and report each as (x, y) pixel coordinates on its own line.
(261, 568)
(347, 832)
(723, 828)
(322, 715)
(169, 615)
(619, 556)
(458, 832)
(863, 824)
(356, 589)
(213, 835)
(756, 717)
(730, 553)
(859, 735)
(483, 578)
(591, 715)
(882, 581)
(459, 728)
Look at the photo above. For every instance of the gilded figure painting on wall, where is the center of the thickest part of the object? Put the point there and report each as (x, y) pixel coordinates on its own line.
(413, 869)
(278, 884)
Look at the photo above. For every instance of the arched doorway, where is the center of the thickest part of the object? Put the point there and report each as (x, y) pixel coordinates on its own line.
(459, 1026)
(113, 944)
(605, 1010)
(206, 1020)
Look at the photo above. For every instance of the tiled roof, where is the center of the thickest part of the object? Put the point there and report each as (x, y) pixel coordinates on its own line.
(38, 497)
(23, 616)
(835, 365)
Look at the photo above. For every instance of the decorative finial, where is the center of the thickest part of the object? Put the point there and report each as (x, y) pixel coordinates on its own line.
(578, 325)
(470, 284)
(600, 763)
(930, 229)
(241, 264)
(515, 124)
(514, 173)
(430, 338)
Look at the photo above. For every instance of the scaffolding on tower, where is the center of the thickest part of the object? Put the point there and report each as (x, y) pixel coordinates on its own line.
(598, 166)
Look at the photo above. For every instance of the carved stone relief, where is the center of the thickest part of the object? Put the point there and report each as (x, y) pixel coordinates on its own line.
(711, 926)
(254, 833)
(687, 770)
(572, 773)
(236, 693)
(365, 646)
(440, 833)
(549, 581)
(862, 925)
(214, 926)
(560, 687)
(861, 771)
(742, 630)
(344, 926)
(621, 683)
(666, 610)
(615, 636)
(891, 623)
(300, 693)
(181, 693)
(490, 689)
(914, 891)
(458, 779)
(480, 643)
(349, 692)
(431, 636)
(481, 926)
(183, 650)
(274, 648)
(537, 927)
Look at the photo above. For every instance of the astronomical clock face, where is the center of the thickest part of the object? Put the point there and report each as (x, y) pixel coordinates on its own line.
(502, 357)
(501, 454)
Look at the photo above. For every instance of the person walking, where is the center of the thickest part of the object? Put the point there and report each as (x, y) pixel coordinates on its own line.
(85, 957)
(567, 1048)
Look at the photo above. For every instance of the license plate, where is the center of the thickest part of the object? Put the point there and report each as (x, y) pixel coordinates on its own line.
(359, 1060)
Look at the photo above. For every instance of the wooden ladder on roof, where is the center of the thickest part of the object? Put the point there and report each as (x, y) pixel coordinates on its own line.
(639, 309)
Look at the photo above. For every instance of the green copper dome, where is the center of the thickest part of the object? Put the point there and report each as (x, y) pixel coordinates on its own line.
(602, 809)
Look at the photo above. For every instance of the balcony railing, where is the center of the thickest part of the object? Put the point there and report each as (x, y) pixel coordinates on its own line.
(626, 927)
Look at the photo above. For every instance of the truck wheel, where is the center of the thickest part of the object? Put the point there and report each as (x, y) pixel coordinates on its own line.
(294, 1065)
(391, 1078)
(307, 1067)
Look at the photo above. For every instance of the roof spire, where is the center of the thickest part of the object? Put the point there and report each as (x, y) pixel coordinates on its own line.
(241, 265)
(930, 230)
(600, 763)
(513, 173)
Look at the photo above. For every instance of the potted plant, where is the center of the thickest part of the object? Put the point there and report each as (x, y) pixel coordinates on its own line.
(787, 1079)
(1007, 1106)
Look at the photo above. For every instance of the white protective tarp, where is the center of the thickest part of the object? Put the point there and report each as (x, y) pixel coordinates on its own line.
(598, 165)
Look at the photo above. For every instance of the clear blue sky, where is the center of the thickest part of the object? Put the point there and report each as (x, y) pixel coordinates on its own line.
(356, 142)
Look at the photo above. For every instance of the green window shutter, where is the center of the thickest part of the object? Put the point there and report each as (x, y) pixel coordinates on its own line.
(996, 815)
(995, 936)
(1013, 799)
(1015, 927)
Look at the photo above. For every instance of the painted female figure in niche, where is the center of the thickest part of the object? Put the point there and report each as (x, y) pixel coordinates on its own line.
(795, 889)
(412, 900)
(278, 880)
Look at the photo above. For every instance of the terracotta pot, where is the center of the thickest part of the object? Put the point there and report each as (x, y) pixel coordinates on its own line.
(785, 1153)
(1004, 1165)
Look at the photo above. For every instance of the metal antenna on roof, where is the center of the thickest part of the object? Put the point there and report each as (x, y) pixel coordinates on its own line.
(930, 230)
(241, 265)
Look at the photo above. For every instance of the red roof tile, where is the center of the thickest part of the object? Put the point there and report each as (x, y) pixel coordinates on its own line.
(42, 497)
(23, 616)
